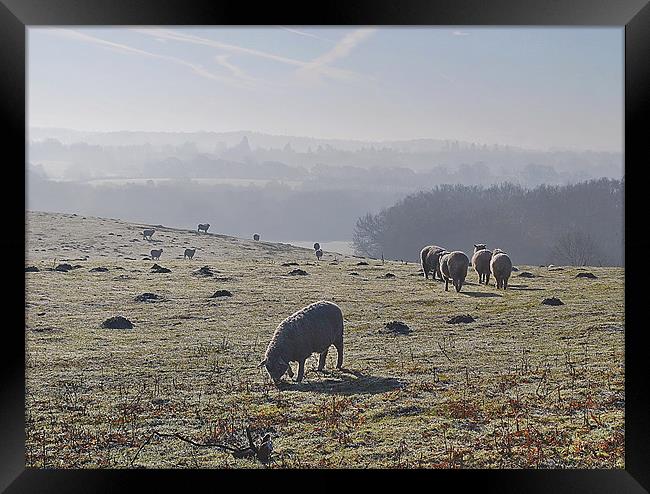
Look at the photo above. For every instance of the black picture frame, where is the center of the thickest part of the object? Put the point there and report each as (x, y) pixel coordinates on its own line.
(632, 15)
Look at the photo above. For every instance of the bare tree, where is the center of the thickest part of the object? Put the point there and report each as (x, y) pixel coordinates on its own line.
(576, 248)
(366, 235)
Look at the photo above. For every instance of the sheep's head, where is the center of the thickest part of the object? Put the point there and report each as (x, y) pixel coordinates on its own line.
(478, 247)
(497, 251)
(275, 367)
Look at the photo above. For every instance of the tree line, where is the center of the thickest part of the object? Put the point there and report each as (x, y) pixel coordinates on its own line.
(575, 224)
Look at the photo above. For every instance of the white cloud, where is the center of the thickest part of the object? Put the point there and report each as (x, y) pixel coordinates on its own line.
(122, 48)
(341, 50)
(188, 38)
(305, 33)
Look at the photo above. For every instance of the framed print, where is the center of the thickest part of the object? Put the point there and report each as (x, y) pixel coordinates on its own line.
(370, 236)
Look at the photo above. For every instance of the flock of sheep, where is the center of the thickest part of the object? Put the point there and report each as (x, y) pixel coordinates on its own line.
(189, 253)
(316, 327)
(453, 265)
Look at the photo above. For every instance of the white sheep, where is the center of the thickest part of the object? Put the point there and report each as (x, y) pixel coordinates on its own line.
(311, 329)
(501, 267)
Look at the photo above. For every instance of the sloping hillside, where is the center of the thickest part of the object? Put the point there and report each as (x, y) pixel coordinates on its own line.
(523, 385)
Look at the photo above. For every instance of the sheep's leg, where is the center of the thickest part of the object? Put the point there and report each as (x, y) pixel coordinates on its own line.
(301, 370)
(487, 279)
(446, 284)
(339, 351)
(321, 360)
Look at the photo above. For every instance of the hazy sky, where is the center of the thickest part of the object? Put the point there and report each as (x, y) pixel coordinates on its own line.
(530, 87)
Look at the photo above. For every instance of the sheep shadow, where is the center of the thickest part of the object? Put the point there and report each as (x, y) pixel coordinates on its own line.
(524, 288)
(480, 294)
(345, 382)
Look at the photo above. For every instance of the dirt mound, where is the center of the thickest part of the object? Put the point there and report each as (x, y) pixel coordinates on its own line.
(388, 275)
(526, 274)
(466, 318)
(297, 272)
(31, 269)
(354, 273)
(159, 269)
(515, 268)
(205, 271)
(98, 269)
(396, 327)
(117, 322)
(587, 275)
(287, 264)
(362, 263)
(552, 301)
(148, 297)
(221, 293)
(65, 267)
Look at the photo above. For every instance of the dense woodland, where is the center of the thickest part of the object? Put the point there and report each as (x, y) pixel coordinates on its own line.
(577, 224)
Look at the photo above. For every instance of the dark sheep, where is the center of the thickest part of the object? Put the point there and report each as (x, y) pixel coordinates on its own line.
(148, 233)
(256, 237)
(189, 253)
(204, 227)
(155, 254)
(312, 329)
(430, 259)
(319, 254)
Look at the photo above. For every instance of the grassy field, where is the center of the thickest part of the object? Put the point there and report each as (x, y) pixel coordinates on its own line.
(524, 386)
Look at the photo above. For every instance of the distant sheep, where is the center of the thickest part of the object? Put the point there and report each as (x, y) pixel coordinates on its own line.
(501, 267)
(155, 254)
(256, 237)
(311, 329)
(319, 254)
(316, 246)
(189, 253)
(454, 266)
(203, 227)
(148, 233)
(481, 263)
(430, 259)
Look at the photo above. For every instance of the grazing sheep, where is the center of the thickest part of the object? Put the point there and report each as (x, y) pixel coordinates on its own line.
(189, 253)
(316, 246)
(148, 233)
(319, 254)
(430, 257)
(256, 236)
(501, 267)
(453, 266)
(481, 263)
(155, 254)
(311, 329)
(204, 227)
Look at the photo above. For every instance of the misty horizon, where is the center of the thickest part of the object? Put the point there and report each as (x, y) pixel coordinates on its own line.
(359, 141)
